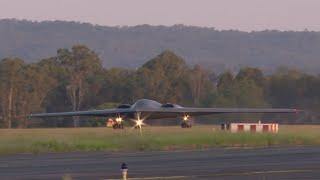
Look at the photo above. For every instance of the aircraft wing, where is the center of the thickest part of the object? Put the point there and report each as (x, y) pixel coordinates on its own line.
(165, 112)
(207, 111)
(101, 113)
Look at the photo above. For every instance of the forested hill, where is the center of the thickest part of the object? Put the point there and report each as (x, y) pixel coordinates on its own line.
(130, 47)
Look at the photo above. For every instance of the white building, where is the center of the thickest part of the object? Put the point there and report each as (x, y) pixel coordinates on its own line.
(251, 127)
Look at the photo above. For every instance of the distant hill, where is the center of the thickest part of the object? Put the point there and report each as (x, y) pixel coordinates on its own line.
(132, 46)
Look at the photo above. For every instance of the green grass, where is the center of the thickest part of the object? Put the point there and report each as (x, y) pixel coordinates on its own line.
(154, 138)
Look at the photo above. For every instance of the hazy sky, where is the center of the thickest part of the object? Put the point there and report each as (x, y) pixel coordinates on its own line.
(222, 14)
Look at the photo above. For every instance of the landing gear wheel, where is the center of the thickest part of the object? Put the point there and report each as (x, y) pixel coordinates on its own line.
(118, 126)
(186, 125)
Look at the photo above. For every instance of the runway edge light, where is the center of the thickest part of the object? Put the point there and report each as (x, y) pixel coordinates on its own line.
(124, 171)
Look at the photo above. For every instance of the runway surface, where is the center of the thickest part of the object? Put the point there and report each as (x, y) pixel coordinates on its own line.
(261, 163)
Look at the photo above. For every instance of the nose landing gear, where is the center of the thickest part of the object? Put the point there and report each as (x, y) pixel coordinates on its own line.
(118, 124)
(186, 123)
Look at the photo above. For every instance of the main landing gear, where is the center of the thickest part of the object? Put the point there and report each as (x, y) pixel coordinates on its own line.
(186, 123)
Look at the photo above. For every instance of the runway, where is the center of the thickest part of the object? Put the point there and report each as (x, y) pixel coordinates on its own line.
(221, 163)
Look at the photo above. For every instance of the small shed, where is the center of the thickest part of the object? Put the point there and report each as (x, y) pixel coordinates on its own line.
(251, 127)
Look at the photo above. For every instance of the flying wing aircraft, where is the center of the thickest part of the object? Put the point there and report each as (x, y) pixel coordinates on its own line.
(149, 109)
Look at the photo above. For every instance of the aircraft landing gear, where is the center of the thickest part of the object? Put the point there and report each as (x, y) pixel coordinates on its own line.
(118, 126)
(186, 123)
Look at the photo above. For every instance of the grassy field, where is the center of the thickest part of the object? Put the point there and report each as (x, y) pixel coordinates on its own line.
(154, 138)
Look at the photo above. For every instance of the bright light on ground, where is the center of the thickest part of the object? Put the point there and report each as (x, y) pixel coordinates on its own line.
(119, 119)
(139, 122)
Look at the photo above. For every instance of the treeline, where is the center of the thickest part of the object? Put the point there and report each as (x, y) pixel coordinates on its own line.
(75, 80)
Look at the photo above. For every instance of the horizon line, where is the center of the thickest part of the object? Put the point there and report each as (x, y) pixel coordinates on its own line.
(152, 25)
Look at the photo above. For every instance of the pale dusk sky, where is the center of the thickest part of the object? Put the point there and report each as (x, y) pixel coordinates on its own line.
(245, 15)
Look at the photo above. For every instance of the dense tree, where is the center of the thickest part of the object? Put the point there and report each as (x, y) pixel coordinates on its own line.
(248, 94)
(35, 85)
(11, 78)
(225, 89)
(200, 84)
(119, 85)
(163, 75)
(80, 63)
(253, 74)
(284, 89)
(74, 79)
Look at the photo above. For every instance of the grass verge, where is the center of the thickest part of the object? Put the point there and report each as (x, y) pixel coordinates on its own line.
(154, 138)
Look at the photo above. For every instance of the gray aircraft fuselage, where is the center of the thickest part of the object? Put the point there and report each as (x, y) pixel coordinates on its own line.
(142, 104)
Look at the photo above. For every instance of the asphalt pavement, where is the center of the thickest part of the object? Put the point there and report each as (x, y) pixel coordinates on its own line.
(221, 163)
